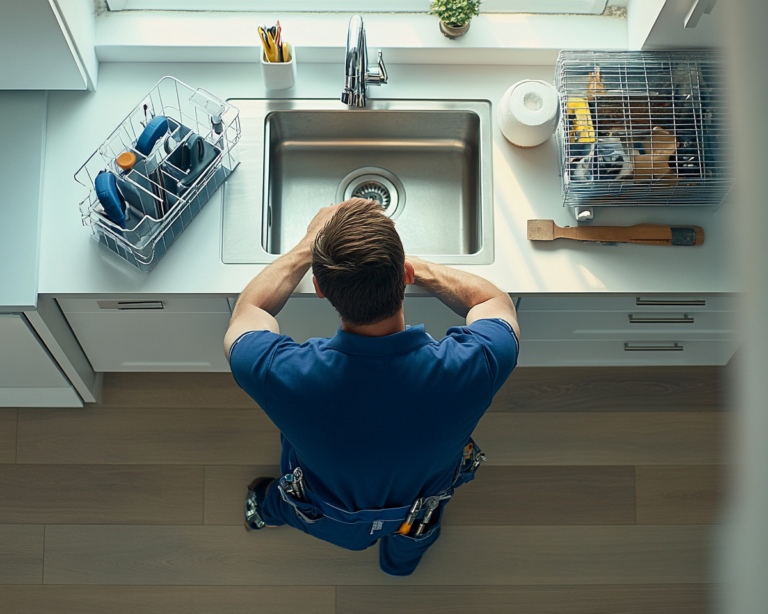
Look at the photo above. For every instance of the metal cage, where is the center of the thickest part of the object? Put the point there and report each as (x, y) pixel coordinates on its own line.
(645, 128)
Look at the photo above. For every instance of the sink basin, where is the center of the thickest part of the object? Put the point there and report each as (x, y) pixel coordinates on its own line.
(427, 162)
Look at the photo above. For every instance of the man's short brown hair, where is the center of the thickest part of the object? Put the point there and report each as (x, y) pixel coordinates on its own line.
(359, 263)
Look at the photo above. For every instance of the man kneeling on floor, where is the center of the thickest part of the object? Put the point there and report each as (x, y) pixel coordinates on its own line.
(375, 422)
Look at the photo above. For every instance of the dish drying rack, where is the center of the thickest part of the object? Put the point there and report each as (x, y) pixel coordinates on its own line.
(645, 128)
(160, 200)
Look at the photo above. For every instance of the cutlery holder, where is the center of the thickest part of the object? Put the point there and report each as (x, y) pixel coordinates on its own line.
(165, 189)
(279, 75)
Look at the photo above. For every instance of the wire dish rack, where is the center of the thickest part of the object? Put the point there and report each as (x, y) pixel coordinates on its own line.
(642, 128)
(161, 194)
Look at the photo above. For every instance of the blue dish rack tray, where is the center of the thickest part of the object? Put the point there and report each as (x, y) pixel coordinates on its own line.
(160, 199)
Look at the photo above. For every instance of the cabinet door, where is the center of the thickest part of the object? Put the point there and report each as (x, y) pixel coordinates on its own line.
(166, 334)
(309, 316)
(304, 317)
(29, 377)
(434, 315)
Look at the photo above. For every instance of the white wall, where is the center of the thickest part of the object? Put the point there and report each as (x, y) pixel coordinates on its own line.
(746, 555)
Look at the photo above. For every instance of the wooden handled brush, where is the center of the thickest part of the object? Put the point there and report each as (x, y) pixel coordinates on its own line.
(648, 234)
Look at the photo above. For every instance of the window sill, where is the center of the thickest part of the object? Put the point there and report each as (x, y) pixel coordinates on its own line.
(321, 38)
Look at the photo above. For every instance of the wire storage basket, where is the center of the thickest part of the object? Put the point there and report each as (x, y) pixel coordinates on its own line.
(159, 167)
(645, 128)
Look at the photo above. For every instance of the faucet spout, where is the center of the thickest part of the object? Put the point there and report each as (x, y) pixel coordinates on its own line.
(357, 73)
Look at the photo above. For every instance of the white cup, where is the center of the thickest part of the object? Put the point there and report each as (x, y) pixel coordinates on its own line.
(279, 75)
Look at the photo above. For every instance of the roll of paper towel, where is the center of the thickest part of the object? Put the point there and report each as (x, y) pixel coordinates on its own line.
(528, 113)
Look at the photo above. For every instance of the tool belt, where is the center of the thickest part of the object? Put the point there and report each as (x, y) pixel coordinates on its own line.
(413, 519)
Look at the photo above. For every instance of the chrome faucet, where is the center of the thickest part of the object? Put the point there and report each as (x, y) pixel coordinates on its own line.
(358, 73)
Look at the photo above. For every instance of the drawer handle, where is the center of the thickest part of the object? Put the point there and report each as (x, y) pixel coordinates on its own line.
(653, 348)
(684, 320)
(140, 305)
(671, 302)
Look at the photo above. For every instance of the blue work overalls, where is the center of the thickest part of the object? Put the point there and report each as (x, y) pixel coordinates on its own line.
(399, 555)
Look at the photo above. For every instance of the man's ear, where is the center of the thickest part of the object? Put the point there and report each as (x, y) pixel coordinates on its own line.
(409, 273)
(317, 288)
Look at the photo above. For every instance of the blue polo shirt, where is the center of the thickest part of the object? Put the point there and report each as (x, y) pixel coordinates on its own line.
(377, 422)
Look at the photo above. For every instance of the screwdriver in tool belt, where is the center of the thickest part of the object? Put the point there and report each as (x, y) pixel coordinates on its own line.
(410, 518)
(298, 478)
(430, 505)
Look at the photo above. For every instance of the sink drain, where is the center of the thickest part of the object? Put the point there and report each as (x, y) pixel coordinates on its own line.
(374, 183)
(373, 190)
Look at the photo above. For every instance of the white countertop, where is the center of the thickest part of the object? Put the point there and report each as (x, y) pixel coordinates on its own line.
(526, 186)
(21, 167)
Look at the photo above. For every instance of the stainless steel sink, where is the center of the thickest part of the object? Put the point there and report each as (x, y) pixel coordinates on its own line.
(427, 162)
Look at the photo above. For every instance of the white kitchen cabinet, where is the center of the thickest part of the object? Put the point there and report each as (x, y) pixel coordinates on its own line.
(309, 316)
(303, 317)
(157, 334)
(186, 334)
(36, 38)
(434, 315)
(29, 377)
(594, 330)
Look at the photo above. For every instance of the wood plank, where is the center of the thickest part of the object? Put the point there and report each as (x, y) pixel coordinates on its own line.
(240, 437)
(503, 496)
(509, 495)
(147, 436)
(8, 425)
(609, 389)
(679, 495)
(146, 555)
(21, 554)
(101, 494)
(627, 599)
(169, 390)
(167, 599)
(225, 488)
(528, 389)
(647, 438)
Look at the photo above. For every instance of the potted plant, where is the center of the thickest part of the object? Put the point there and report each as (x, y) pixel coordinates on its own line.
(455, 15)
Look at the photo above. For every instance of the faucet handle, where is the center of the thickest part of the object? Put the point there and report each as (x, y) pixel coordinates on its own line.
(377, 76)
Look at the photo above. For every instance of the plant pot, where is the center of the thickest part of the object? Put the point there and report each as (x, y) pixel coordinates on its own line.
(453, 32)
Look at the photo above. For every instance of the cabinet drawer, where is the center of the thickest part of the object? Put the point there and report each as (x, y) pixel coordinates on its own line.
(628, 303)
(594, 353)
(637, 324)
(160, 334)
(164, 304)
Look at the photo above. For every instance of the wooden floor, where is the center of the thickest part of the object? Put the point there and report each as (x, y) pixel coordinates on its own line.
(601, 495)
